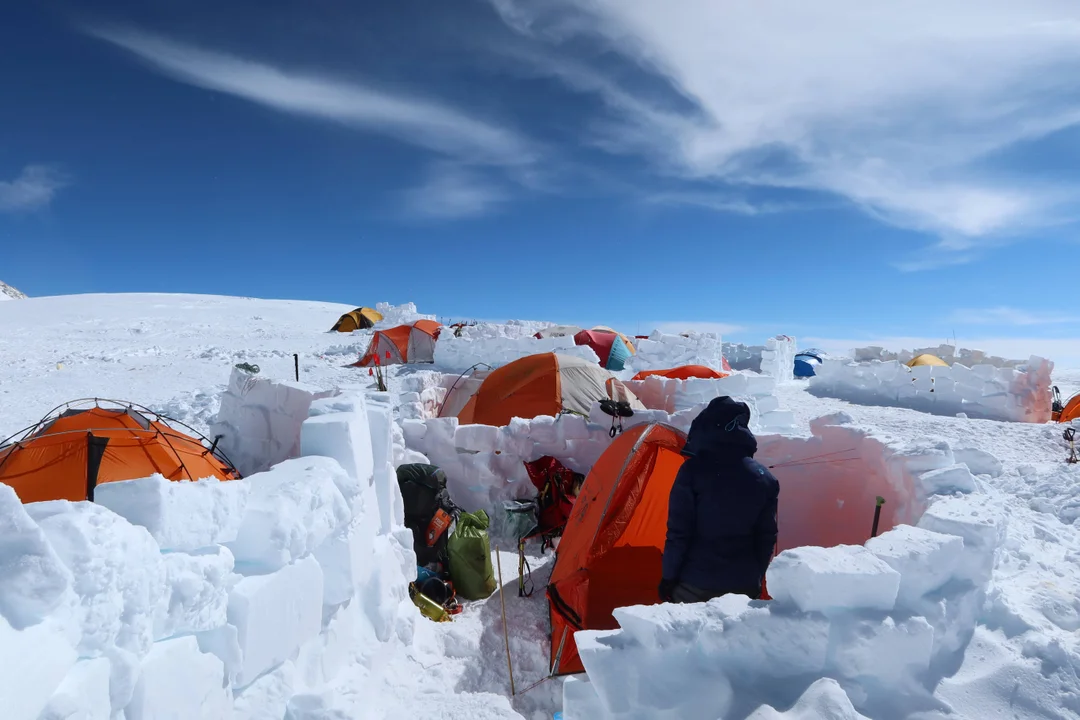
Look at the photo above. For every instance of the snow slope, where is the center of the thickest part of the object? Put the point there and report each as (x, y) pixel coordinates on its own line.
(1018, 658)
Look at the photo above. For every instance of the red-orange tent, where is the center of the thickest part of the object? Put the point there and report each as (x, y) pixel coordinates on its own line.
(612, 549)
(683, 373)
(67, 456)
(413, 343)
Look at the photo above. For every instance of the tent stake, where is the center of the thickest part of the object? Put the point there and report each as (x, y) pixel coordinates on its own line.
(506, 632)
(877, 515)
(296, 366)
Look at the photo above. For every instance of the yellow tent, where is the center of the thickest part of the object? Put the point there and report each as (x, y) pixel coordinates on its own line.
(359, 319)
(927, 359)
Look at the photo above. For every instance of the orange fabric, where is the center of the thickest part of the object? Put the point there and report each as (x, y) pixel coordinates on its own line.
(683, 373)
(52, 463)
(526, 388)
(395, 340)
(611, 551)
(1071, 411)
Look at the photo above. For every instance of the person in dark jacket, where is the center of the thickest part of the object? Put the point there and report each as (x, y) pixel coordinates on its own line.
(722, 512)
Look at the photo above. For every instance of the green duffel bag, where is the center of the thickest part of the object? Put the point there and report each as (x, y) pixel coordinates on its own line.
(470, 557)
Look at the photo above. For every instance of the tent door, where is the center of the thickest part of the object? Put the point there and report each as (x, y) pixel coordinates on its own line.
(95, 452)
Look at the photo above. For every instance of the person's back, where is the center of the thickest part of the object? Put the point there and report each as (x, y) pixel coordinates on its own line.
(722, 510)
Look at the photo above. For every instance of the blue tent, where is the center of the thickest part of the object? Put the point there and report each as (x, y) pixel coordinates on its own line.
(805, 362)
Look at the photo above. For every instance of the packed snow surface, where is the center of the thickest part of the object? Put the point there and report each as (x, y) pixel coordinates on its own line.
(283, 595)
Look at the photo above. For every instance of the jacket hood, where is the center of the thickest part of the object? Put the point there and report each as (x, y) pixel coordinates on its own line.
(721, 430)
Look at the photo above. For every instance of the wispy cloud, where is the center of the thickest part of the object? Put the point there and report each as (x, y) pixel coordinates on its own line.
(33, 189)
(460, 137)
(724, 202)
(1011, 316)
(677, 326)
(453, 191)
(889, 105)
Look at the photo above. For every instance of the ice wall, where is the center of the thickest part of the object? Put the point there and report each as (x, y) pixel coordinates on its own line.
(662, 351)
(743, 357)
(208, 599)
(885, 621)
(259, 419)
(672, 396)
(778, 358)
(949, 353)
(1019, 394)
(394, 315)
(458, 354)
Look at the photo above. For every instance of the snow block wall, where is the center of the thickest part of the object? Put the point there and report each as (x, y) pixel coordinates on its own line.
(672, 396)
(853, 631)
(208, 599)
(949, 353)
(743, 357)
(778, 358)
(663, 351)
(458, 354)
(1019, 394)
(259, 419)
(394, 315)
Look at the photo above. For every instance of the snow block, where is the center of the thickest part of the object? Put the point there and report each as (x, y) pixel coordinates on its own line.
(980, 521)
(829, 580)
(198, 594)
(347, 558)
(118, 574)
(477, 438)
(33, 580)
(955, 478)
(34, 663)
(824, 700)
(346, 438)
(979, 462)
(345, 636)
(259, 420)
(274, 615)
(83, 694)
(179, 515)
(179, 682)
(267, 697)
(293, 508)
(925, 560)
(891, 653)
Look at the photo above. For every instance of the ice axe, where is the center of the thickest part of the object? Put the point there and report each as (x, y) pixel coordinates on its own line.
(877, 515)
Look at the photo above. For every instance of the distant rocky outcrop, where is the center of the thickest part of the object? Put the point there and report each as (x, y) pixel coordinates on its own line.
(9, 293)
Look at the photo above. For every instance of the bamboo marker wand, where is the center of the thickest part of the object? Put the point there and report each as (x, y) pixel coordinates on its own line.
(506, 632)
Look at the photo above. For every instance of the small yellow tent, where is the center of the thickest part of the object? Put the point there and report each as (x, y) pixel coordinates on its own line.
(927, 359)
(359, 319)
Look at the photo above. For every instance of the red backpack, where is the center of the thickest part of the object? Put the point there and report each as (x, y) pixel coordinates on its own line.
(556, 489)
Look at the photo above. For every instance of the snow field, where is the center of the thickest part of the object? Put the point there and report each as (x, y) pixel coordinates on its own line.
(175, 599)
(981, 391)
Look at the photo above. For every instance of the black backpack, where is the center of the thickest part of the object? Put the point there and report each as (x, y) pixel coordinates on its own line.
(428, 512)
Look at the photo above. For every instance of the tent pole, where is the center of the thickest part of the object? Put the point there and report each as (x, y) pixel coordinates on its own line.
(506, 632)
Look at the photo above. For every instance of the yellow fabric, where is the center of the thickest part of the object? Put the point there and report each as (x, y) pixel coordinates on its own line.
(927, 360)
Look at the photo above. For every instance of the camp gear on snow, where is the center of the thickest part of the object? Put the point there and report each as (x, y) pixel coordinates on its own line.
(519, 517)
(543, 384)
(556, 490)
(683, 372)
(1070, 437)
(413, 343)
(525, 581)
(470, 557)
(362, 318)
(428, 607)
(85, 443)
(610, 553)
(877, 515)
(428, 512)
(612, 348)
(247, 367)
(617, 410)
(722, 510)
(1056, 405)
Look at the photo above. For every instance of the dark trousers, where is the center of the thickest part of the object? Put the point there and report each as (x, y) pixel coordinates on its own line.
(684, 593)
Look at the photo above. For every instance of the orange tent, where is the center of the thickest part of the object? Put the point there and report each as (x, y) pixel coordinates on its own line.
(413, 343)
(544, 384)
(67, 456)
(683, 373)
(1071, 411)
(612, 549)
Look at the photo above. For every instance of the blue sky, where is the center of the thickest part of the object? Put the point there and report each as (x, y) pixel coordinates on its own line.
(832, 170)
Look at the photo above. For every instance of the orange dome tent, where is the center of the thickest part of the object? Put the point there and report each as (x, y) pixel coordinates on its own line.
(544, 384)
(413, 343)
(612, 548)
(361, 318)
(684, 373)
(1071, 411)
(73, 450)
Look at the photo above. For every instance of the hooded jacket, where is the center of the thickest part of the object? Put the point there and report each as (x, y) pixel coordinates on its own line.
(722, 509)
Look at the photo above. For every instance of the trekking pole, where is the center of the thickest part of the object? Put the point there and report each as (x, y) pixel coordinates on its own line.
(506, 632)
(296, 366)
(877, 515)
